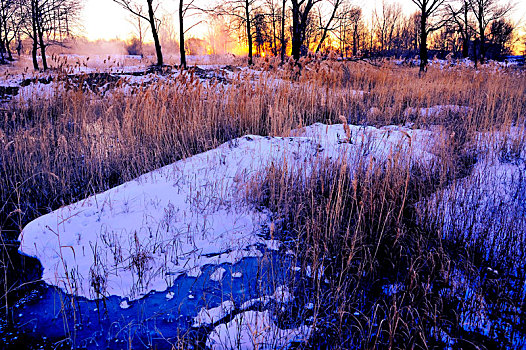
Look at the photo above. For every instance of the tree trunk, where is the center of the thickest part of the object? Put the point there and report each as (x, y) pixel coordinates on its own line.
(465, 42)
(155, 35)
(3, 39)
(2, 52)
(34, 49)
(274, 32)
(465, 48)
(323, 36)
(9, 53)
(423, 43)
(38, 32)
(7, 41)
(296, 32)
(482, 42)
(475, 54)
(42, 46)
(249, 32)
(355, 41)
(181, 35)
(283, 46)
(2, 49)
(141, 39)
(343, 41)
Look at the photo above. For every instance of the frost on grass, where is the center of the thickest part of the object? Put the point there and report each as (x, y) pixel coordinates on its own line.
(283, 295)
(486, 212)
(140, 236)
(489, 205)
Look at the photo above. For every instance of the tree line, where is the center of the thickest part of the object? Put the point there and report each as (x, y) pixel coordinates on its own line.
(44, 22)
(468, 28)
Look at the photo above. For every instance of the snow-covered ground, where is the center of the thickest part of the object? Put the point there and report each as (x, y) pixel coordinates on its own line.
(489, 204)
(141, 235)
(100, 74)
(38, 87)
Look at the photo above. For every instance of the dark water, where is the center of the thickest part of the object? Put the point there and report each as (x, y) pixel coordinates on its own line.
(46, 317)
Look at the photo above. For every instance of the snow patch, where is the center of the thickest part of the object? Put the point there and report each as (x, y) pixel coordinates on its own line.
(283, 295)
(209, 316)
(218, 275)
(437, 111)
(140, 236)
(254, 330)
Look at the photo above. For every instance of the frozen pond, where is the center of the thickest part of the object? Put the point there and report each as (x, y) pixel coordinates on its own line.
(159, 319)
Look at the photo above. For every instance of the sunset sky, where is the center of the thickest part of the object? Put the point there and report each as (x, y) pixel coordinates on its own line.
(103, 19)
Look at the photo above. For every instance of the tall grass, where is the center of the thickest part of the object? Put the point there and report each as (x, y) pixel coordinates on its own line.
(353, 228)
(380, 271)
(77, 142)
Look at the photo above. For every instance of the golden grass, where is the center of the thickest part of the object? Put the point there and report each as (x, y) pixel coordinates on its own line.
(62, 149)
(54, 151)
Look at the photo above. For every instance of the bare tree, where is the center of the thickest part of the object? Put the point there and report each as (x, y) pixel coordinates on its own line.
(327, 27)
(262, 33)
(182, 11)
(184, 7)
(460, 15)
(428, 8)
(355, 16)
(283, 19)
(219, 35)
(272, 11)
(48, 22)
(11, 20)
(139, 27)
(241, 11)
(301, 10)
(168, 33)
(132, 6)
(408, 33)
(348, 26)
(485, 12)
(386, 23)
(274, 14)
(502, 35)
(414, 21)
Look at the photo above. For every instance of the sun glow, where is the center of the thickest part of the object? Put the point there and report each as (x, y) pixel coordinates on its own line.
(103, 19)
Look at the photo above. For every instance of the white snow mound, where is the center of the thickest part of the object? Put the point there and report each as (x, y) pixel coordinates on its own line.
(140, 236)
